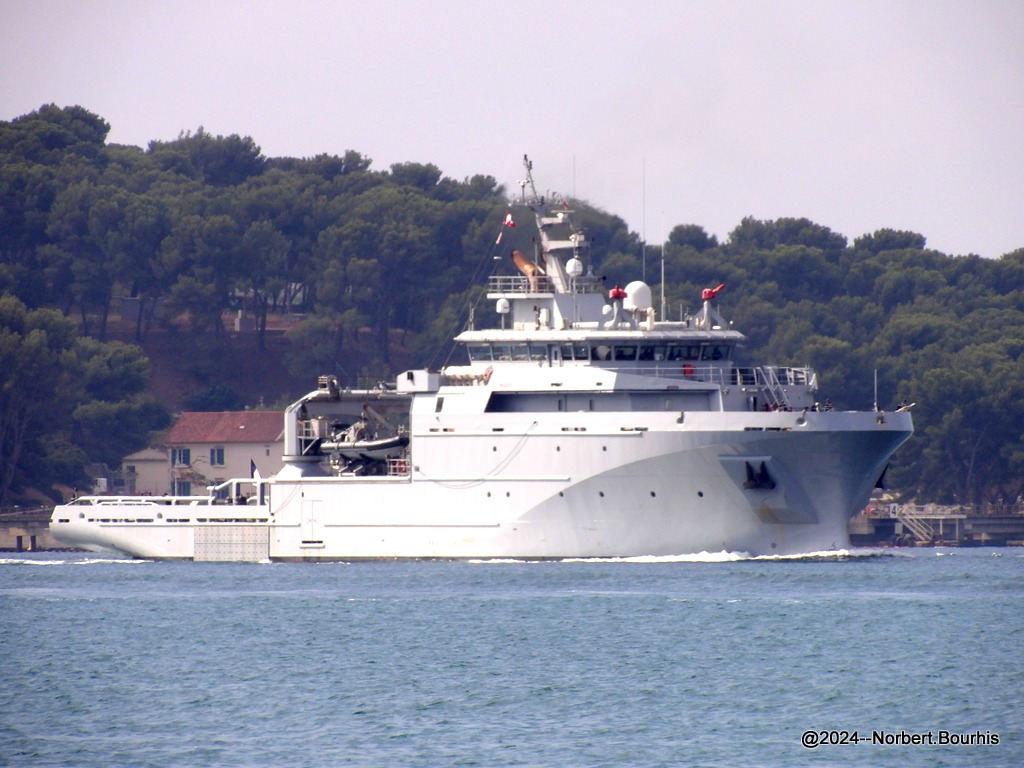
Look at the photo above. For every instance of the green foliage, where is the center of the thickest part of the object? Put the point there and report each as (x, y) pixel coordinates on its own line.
(107, 431)
(219, 161)
(316, 348)
(386, 265)
(65, 400)
(216, 397)
(692, 235)
(112, 371)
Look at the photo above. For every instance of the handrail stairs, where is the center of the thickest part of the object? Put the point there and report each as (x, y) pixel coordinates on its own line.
(922, 529)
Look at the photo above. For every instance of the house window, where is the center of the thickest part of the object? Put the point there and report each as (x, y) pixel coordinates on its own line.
(181, 456)
(216, 457)
(181, 488)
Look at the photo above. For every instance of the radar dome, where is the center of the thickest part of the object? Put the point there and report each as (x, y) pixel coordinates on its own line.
(574, 267)
(638, 296)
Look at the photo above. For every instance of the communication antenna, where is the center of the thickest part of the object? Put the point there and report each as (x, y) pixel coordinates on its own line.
(664, 248)
(643, 219)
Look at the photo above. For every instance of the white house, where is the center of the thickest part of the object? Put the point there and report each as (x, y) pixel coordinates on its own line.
(207, 448)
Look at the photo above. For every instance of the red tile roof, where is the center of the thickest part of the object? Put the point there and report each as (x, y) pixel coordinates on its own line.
(228, 427)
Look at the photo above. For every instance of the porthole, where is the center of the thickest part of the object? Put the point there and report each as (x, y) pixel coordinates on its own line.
(701, 494)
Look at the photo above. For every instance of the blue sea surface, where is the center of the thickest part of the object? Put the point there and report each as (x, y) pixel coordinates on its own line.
(701, 661)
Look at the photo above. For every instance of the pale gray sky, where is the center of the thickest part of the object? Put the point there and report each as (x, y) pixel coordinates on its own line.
(858, 114)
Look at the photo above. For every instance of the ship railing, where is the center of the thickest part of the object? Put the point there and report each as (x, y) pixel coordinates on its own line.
(773, 389)
(762, 377)
(399, 467)
(246, 490)
(521, 284)
(100, 501)
(987, 509)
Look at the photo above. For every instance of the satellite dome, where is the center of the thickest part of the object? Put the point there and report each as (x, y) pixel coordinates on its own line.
(638, 296)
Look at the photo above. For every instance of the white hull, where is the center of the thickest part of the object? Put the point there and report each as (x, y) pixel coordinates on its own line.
(667, 491)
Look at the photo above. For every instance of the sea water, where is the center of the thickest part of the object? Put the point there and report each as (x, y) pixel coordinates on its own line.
(901, 658)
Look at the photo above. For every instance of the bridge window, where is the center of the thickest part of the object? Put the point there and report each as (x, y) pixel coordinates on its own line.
(479, 352)
(538, 352)
(577, 350)
(715, 352)
(683, 352)
(625, 353)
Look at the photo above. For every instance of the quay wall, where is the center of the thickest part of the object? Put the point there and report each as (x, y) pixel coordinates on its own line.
(27, 531)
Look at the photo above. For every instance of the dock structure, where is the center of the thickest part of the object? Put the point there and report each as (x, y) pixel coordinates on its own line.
(27, 530)
(982, 525)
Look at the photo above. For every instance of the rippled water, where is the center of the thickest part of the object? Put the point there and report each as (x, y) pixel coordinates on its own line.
(707, 661)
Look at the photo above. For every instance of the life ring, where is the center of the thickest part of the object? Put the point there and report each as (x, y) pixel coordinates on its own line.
(687, 370)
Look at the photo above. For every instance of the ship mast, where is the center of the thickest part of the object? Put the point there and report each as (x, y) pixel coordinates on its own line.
(560, 239)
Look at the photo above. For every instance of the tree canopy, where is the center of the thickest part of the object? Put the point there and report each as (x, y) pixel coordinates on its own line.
(183, 234)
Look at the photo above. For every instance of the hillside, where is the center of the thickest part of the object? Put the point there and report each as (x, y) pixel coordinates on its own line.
(260, 378)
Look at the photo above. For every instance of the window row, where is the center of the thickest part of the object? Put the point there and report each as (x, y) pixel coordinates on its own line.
(183, 457)
(581, 350)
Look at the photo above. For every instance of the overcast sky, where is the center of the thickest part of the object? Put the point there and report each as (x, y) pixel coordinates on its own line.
(857, 115)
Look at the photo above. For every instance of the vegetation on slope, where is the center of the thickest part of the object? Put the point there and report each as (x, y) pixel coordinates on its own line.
(99, 241)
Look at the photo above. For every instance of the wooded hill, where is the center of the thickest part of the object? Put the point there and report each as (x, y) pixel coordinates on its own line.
(104, 249)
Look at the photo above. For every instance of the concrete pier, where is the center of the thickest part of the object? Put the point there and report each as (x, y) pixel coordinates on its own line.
(27, 531)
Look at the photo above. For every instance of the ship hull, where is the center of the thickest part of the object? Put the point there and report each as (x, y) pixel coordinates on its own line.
(761, 484)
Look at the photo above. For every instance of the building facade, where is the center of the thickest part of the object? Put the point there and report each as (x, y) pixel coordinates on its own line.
(205, 449)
